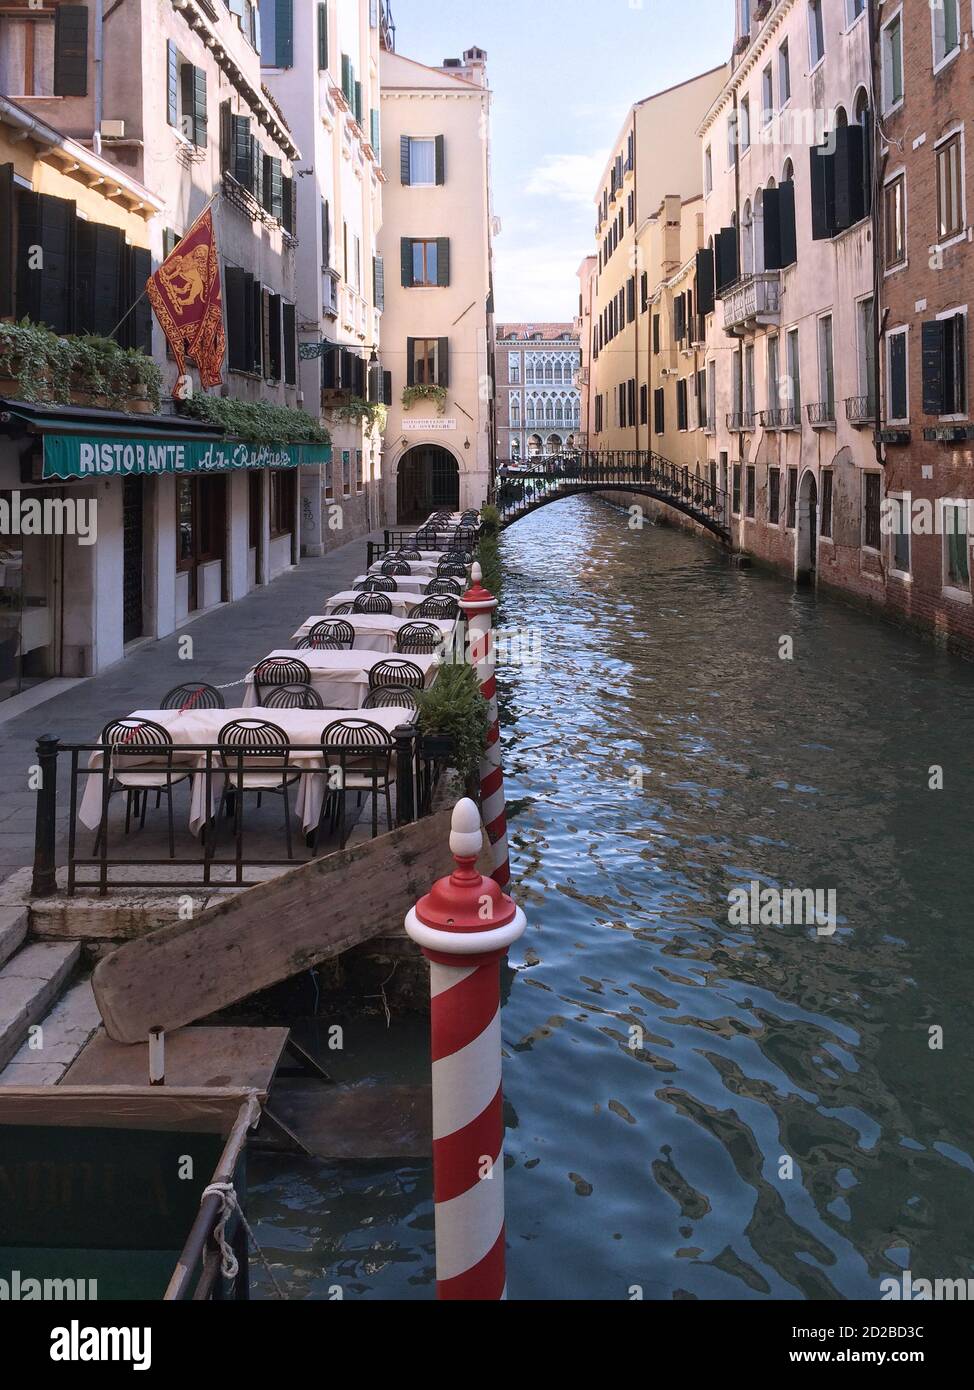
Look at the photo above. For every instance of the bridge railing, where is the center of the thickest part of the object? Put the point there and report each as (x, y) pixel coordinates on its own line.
(537, 479)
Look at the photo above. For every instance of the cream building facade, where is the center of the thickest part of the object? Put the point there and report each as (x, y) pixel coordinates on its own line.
(436, 245)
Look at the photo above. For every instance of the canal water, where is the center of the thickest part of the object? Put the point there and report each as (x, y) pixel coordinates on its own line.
(699, 1107)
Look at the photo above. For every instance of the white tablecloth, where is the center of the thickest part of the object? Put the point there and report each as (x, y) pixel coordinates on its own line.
(374, 632)
(340, 678)
(203, 726)
(402, 604)
(427, 567)
(405, 583)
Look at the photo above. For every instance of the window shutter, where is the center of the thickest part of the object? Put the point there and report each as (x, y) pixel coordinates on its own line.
(71, 51)
(284, 33)
(443, 362)
(256, 182)
(47, 295)
(322, 37)
(275, 326)
(772, 229)
(786, 218)
(98, 278)
(226, 138)
(725, 250)
(440, 159)
(358, 102)
(410, 361)
(257, 309)
(848, 175)
(379, 282)
(276, 198)
(172, 84)
(656, 333)
(822, 169)
(137, 329)
(346, 77)
(897, 375)
(443, 260)
(705, 281)
(289, 330)
(933, 367)
(406, 257)
(404, 159)
(236, 318)
(6, 240)
(387, 388)
(679, 318)
(325, 233)
(187, 123)
(199, 108)
(241, 149)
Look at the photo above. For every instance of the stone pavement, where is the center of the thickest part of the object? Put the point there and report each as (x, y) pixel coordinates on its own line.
(226, 644)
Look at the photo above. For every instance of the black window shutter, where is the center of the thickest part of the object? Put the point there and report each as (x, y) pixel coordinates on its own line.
(137, 329)
(275, 327)
(234, 289)
(656, 333)
(443, 260)
(257, 338)
(705, 281)
(772, 229)
(256, 184)
(284, 33)
(325, 232)
(98, 278)
(322, 37)
(933, 367)
(71, 51)
(679, 318)
(404, 158)
(45, 293)
(172, 84)
(329, 369)
(440, 159)
(406, 258)
(848, 169)
(822, 170)
(290, 345)
(387, 388)
(897, 376)
(410, 361)
(789, 229)
(443, 362)
(6, 240)
(226, 137)
(199, 108)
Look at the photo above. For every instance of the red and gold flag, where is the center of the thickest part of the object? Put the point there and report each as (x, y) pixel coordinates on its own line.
(185, 294)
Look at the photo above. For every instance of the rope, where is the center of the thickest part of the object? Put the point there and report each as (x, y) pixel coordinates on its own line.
(229, 1203)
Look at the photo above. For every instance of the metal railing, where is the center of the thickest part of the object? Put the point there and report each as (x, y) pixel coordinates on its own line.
(636, 470)
(418, 768)
(740, 421)
(860, 410)
(400, 540)
(786, 417)
(821, 414)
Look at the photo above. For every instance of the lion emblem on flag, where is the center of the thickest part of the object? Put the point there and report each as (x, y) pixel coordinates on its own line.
(185, 276)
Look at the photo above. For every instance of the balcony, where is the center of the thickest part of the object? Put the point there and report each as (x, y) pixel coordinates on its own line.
(821, 415)
(741, 421)
(330, 281)
(860, 411)
(753, 302)
(788, 417)
(580, 377)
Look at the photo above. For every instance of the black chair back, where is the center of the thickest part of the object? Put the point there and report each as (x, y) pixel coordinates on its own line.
(394, 670)
(372, 603)
(293, 697)
(332, 635)
(279, 670)
(421, 638)
(437, 606)
(193, 695)
(396, 696)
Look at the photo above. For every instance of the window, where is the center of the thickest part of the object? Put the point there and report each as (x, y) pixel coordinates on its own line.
(773, 374)
(659, 410)
(767, 95)
(27, 55)
(644, 405)
(359, 473)
(283, 500)
(793, 385)
(682, 411)
(774, 496)
(744, 123)
(514, 367)
(750, 490)
(749, 383)
(946, 31)
(897, 380)
(427, 362)
(732, 139)
(892, 47)
(826, 369)
(277, 33)
(736, 490)
(784, 74)
(816, 33)
(825, 510)
(866, 329)
(186, 100)
(957, 574)
(950, 214)
(422, 160)
(854, 9)
(900, 511)
(346, 472)
(711, 395)
(708, 171)
(244, 298)
(871, 489)
(423, 263)
(792, 498)
(894, 215)
(945, 365)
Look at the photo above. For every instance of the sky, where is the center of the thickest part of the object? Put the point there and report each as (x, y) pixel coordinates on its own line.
(563, 73)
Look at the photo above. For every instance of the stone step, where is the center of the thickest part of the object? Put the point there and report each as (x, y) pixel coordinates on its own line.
(30, 983)
(13, 929)
(64, 1033)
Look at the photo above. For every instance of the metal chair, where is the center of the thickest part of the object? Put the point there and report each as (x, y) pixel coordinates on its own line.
(392, 670)
(372, 603)
(443, 586)
(293, 697)
(446, 568)
(437, 606)
(458, 557)
(419, 638)
(426, 540)
(408, 555)
(364, 754)
(193, 696)
(392, 567)
(331, 635)
(140, 760)
(254, 756)
(279, 670)
(343, 608)
(397, 696)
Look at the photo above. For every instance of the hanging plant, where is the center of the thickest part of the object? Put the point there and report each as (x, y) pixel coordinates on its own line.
(372, 414)
(256, 423)
(49, 368)
(423, 392)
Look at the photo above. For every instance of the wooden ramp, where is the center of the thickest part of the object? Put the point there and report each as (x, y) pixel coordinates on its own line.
(186, 971)
(217, 1057)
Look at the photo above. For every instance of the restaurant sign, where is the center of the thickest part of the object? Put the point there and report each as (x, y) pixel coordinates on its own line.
(81, 456)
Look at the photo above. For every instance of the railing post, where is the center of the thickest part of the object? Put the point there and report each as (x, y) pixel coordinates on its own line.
(44, 884)
(407, 809)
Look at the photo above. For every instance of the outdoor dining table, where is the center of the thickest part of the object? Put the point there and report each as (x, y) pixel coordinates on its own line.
(202, 727)
(405, 583)
(402, 603)
(374, 632)
(341, 678)
(426, 567)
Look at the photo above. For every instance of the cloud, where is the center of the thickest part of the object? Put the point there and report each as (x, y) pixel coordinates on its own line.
(534, 287)
(569, 178)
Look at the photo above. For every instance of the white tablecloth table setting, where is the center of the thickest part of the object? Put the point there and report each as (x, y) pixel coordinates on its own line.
(405, 583)
(402, 603)
(202, 726)
(426, 567)
(341, 678)
(374, 632)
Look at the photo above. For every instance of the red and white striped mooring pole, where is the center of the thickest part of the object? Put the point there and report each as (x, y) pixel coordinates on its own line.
(465, 925)
(478, 604)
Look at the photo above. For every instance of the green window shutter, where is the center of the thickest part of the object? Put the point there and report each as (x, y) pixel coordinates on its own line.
(289, 205)
(443, 362)
(284, 33)
(358, 102)
(256, 184)
(241, 149)
(440, 159)
(375, 133)
(406, 256)
(404, 159)
(71, 51)
(276, 191)
(410, 361)
(265, 201)
(443, 260)
(226, 138)
(322, 37)
(346, 76)
(172, 84)
(378, 282)
(199, 108)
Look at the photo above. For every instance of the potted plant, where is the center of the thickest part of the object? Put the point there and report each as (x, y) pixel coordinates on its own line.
(453, 721)
(372, 414)
(424, 392)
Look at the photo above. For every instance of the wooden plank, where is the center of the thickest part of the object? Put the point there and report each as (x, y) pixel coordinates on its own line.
(194, 1057)
(357, 1122)
(192, 1109)
(186, 971)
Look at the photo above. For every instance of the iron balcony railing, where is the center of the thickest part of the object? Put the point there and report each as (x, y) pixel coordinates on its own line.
(860, 410)
(821, 414)
(786, 417)
(755, 299)
(740, 421)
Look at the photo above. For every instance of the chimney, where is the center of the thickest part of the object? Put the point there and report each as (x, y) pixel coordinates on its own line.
(472, 66)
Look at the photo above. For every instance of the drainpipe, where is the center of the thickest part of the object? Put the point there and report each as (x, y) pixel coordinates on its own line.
(876, 176)
(99, 73)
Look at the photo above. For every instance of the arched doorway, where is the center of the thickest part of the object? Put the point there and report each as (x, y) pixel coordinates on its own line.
(428, 477)
(807, 557)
